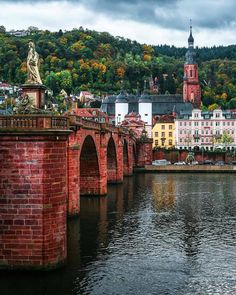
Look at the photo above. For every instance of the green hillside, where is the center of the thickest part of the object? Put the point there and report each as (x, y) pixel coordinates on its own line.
(88, 60)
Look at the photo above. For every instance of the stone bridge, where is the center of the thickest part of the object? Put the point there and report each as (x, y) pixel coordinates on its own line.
(47, 162)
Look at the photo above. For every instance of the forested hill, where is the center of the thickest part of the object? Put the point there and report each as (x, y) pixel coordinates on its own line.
(204, 53)
(88, 60)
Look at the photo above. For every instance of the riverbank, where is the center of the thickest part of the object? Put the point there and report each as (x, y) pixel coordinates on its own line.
(188, 169)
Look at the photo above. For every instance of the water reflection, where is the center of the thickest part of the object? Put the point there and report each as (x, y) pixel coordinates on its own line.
(164, 193)
(153, 234)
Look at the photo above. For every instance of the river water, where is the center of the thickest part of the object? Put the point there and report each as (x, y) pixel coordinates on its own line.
(154, 234)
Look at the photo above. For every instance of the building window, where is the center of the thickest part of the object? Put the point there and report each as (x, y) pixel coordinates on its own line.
(170, 127)
(180, 123)
(156, 134)
(146, 115)
(232, 123)
(196, 115)
(217, 115)
(217, 123)
(163, 127)
(162, 134)
(195, 123)
(180, 140)
(170, 141)
(228, 123)
(156, 142)
(189, 123)
(170, 134)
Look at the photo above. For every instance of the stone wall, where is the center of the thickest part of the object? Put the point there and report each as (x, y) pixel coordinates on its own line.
(33, 198)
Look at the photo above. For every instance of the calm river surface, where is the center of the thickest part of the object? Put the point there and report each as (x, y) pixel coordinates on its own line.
(154, 234)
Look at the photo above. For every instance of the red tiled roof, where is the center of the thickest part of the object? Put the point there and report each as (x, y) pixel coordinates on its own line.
(5, 85)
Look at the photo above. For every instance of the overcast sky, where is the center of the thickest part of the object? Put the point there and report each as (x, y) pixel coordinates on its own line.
(147, 21)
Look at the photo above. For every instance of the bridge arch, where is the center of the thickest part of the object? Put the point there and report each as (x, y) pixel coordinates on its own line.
(111, 161)
(89, 168)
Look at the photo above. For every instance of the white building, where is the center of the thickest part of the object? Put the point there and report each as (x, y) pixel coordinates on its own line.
(144, 110)
(205, 130)
(121, 108)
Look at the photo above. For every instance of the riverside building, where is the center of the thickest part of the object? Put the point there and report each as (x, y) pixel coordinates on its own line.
(206, 130)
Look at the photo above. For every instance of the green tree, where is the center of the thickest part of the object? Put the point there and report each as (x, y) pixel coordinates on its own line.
(65, 81)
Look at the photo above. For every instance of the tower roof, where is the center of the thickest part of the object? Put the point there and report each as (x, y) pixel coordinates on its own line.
(145, 97)
(121, 97)
(190, 38)
(190, 54)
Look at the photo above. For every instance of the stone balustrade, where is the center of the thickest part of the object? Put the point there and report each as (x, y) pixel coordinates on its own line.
(29, 122)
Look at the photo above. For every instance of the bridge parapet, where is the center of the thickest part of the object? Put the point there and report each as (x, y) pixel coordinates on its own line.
(33, 122)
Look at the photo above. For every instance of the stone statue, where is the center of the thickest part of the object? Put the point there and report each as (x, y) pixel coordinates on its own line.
(33, 66)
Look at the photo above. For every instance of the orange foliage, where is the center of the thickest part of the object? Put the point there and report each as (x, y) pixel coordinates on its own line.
(147, 57)
(23, 67)
(120, 72)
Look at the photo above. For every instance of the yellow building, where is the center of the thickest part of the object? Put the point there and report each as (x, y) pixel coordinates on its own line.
(163, 132)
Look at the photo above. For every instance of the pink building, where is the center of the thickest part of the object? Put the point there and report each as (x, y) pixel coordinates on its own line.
(205, 130)
(133, 122)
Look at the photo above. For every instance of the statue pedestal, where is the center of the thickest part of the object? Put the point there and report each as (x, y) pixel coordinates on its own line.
(36, 93)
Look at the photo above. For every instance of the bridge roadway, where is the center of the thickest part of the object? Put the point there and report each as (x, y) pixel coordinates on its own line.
(47, 162)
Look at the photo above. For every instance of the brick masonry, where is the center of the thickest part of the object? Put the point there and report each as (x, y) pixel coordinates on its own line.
(33, 195)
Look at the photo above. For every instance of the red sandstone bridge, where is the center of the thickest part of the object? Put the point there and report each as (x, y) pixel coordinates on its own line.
(47, 162)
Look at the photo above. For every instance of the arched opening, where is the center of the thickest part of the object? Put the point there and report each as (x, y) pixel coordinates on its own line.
(125, 158)
(111, 161)
(89, 168)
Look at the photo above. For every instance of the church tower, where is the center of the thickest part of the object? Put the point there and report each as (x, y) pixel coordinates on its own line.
(191, 87)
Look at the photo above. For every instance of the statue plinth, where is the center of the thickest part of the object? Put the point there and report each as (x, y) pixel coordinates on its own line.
(36, 93)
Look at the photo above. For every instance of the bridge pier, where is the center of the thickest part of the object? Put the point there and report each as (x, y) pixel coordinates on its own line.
(73, 180)
(33, 194)
(144, 152)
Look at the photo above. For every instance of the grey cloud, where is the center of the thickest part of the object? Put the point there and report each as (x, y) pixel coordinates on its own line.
(167, 14)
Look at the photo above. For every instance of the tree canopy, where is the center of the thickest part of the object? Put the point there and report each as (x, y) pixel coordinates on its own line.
(83, 59)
